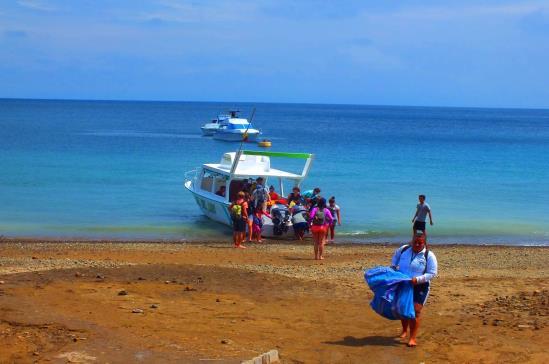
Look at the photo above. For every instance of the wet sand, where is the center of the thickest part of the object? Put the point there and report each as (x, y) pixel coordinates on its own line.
(122, 302)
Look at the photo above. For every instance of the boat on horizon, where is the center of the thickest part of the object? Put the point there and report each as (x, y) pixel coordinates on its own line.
(233, 128)
(234, 172)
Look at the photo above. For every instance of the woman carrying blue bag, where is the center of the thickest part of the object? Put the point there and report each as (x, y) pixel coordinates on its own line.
(420, 264)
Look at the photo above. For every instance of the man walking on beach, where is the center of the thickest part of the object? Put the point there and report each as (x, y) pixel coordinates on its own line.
(422, 210)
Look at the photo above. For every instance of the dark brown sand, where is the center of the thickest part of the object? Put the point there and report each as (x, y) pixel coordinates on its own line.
(61, 302)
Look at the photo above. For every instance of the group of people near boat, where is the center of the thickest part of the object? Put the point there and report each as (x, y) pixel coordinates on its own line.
(307, 212)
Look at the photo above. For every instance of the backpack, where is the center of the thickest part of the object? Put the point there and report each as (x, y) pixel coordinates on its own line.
(319, 218)
(236, 211)
(426, 256)
(260, 194)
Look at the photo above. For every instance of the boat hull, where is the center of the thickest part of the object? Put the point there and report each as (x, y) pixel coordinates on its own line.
(214, 209)
(208, 131)
(236, 136)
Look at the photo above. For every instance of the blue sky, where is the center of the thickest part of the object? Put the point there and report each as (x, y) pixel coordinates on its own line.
(440, 53)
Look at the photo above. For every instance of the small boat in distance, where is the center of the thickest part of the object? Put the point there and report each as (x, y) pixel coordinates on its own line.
(235, 129)
(215, 185)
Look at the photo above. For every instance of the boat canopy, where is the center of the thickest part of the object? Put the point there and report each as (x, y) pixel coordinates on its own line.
(258, 163)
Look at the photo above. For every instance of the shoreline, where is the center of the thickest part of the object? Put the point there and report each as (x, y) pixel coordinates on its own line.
(307, 241)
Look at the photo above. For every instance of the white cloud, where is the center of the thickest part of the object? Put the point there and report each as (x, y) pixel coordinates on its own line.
(452, 12)
(174, 11)
(35, 5)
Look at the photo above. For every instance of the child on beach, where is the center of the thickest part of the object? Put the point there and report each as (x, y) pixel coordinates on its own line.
(239, 215)
(258, 223)
(335, 211)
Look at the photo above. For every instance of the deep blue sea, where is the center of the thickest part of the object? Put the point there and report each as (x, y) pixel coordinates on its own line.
(111, 169)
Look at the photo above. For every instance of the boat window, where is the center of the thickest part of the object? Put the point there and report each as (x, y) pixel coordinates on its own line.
(207, 181)
(213, 181)
(219, 181)
(237, 126)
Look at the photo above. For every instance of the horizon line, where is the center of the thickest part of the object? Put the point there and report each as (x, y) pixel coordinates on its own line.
(273, 102)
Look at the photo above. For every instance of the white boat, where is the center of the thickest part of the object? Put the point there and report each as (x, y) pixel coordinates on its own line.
(233, 172)
(235, 129)
(210, 128)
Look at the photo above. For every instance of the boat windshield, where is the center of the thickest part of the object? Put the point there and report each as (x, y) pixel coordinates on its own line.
(238, 126)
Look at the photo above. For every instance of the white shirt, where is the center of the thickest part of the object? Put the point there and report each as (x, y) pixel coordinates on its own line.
(413, 264)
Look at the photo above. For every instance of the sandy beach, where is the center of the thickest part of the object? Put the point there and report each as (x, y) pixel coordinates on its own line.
(122, 302)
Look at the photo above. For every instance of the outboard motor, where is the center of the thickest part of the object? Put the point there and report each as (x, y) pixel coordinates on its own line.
(281, 216)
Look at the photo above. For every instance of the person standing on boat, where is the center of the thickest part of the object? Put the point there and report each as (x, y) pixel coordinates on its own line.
(321, 218)
(312, 197)
(420, 264)
(272, 194)
(239, 216)
(295, 197)
(260, 196)
(422, 210)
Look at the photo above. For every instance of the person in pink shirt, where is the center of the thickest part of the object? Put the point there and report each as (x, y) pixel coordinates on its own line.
(320, 220)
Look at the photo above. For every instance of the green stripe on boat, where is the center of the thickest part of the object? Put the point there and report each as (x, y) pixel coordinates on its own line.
(277, 154)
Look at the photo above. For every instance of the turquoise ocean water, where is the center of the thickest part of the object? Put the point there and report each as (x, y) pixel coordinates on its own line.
(102, 169)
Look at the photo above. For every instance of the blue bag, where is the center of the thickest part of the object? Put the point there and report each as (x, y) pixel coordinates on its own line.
(393, 293)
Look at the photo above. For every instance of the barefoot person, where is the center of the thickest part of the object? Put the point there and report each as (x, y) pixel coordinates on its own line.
(321, 218)
(336, 214)
(420, 264)
(422, 210)
(239, 216)
(250, 220)
(299, 220)
(257, 218)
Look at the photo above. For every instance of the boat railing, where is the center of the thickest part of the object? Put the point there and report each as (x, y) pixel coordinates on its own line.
(192, 176)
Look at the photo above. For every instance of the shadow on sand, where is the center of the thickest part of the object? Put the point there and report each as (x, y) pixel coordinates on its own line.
(298, 258)
(367, 341)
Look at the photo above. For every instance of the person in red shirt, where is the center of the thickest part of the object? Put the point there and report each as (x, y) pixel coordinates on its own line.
(272, 194)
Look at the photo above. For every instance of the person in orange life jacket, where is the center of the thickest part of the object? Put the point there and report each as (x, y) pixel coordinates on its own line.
(420, 264)
(272, 194)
